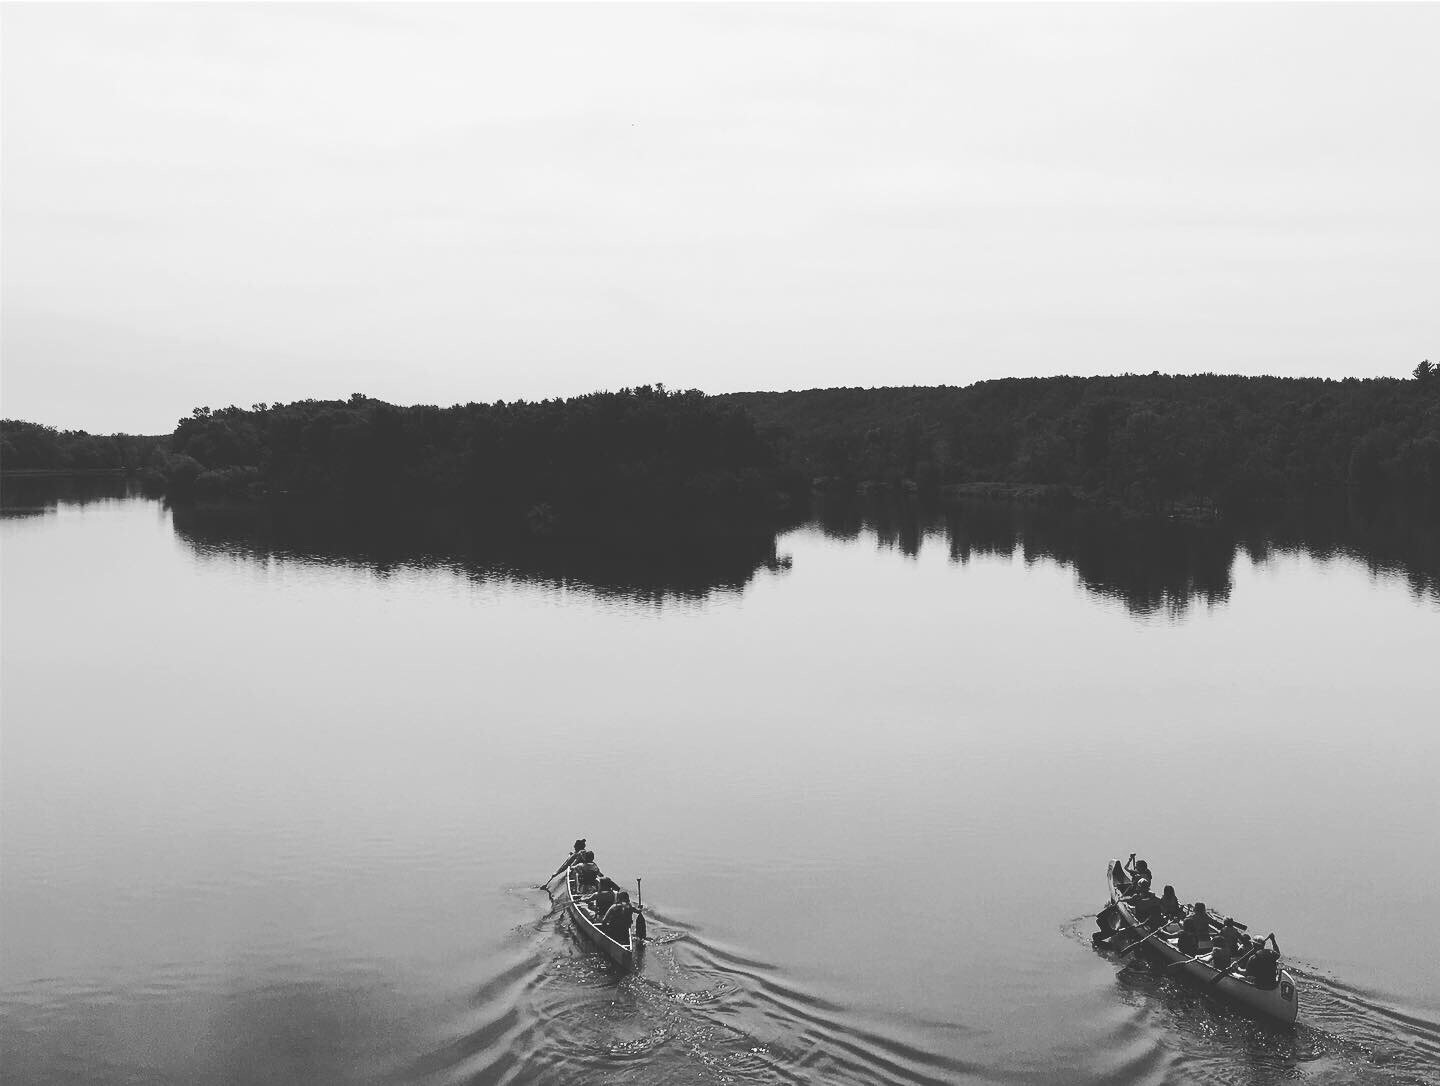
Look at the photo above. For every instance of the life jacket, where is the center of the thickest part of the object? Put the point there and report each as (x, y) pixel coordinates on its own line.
(1261, 968)
(1195, 933)
(617, 920)
(1144, 906)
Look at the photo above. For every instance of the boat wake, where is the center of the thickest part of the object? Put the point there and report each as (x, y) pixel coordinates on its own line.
(694, 1012)
(1355, 1028)
(1345, 1034)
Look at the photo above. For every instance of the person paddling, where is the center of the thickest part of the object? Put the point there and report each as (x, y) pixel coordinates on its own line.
(616, 921)
(1144, 904)
(587, 872)
(1138, 869)
(602, 900)
(1228, 937)
(1195, 931)
(1170, 905)
(1261, 966)
(575, 855)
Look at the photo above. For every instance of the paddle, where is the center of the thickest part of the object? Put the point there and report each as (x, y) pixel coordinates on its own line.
(546, 884)
(1183, 961)
(1218, 921)
(639, 914)
(1103, 920)
(1142, 939)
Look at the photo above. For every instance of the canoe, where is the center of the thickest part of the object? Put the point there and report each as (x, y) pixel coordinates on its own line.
(624, 955)
(1280, 1002)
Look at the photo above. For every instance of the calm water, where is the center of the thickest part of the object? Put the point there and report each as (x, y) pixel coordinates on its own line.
(275, 803)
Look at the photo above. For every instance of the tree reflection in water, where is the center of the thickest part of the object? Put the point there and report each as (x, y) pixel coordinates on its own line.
(1152, 566)
(639, 569)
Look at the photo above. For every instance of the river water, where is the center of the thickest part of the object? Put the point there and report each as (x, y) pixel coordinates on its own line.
(275, 804)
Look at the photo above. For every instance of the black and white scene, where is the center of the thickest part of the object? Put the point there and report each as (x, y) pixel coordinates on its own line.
(719, 544)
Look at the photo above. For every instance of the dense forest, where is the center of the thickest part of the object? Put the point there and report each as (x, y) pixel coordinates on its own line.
(32, 446)
(641, 460)
(647, 459)
(1144, 443)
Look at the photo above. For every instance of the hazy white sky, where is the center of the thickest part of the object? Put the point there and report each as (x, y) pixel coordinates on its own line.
(207, 204)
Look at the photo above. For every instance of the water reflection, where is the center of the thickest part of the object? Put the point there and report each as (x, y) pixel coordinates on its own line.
(268, 829)
(36, 495)
(1151, 566)
(641, 571)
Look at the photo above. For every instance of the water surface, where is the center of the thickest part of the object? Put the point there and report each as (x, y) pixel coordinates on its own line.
(274, 805)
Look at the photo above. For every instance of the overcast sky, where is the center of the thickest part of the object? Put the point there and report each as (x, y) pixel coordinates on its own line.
(208, 204)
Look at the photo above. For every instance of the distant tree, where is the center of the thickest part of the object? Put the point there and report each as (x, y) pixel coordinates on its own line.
(1140, 440)
(1424, 371)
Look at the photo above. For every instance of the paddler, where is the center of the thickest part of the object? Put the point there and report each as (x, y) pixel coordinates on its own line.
(1144, 904)
(1170, 905)
(1138, 869)
(587, 872)
(1261, 965)
(616, 921)
(1229, 937)
(575, 855)
(1195, 931)
(604, 898)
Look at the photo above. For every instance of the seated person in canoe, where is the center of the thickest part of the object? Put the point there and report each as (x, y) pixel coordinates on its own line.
(1170, 907)
(575, 855)
(1260, 967)
(1195, 931)
(1138, 869)
(587, 873)
(1144, 904)
(1228, 937)
(600, 901)
(616, 921)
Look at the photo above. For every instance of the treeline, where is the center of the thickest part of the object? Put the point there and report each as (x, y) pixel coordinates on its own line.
(1145, 443)
(639, 460)
(32, 446)
(647, 459)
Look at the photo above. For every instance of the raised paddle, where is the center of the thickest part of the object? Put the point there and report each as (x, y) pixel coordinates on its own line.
(1217, 921)
(639, 914)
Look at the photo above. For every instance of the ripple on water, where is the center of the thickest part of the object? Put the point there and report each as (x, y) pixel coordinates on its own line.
(695, 1012)
(1172, 1032)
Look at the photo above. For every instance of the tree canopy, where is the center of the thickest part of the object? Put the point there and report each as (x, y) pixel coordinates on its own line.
(1141, 441)
(646, 458)
(656, 460)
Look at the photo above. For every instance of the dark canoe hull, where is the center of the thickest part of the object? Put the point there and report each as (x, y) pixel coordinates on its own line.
(624, 955)
(1280, 1004)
